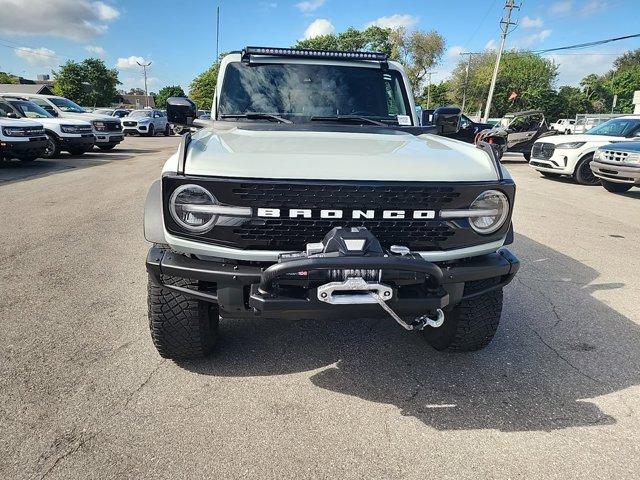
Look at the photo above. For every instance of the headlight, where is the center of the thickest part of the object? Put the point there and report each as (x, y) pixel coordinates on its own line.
(99, 126)
(14, 132)
(487, 212)
(70, 128)
(597, 154)
(570, 145)
(632, 158)
(195, 209)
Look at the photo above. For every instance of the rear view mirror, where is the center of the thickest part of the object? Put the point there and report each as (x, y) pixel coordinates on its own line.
(181, 111)
(447, 120)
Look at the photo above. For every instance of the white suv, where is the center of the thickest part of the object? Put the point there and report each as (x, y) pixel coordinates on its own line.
(107, 130)
(146, 122)
(572, 154)
(19, 138)
(73, 136)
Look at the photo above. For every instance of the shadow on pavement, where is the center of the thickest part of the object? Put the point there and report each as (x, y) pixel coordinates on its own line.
(557, 348)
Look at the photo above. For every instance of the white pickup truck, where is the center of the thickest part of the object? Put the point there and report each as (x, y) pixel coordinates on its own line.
(312, 192)
(564, 125)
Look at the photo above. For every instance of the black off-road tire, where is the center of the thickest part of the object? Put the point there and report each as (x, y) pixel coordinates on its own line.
(152, 131)
(614, 187)
(471, 324)
(53, 147)
(583, 173)
(181, 327)
(167, 130)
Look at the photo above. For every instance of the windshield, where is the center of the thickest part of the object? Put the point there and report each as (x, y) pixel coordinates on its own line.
(30, 109)
(104, 111)
(301, 91)
(140, 113)
(66, 105)
(618, 127)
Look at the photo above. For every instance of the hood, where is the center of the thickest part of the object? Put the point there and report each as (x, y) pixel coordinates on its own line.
(385, 155)
(88, 117)
(63, 121)
(19, 122)
(600, 139)
(633, 146)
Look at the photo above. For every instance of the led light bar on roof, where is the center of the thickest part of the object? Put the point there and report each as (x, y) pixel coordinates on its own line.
(304, 53)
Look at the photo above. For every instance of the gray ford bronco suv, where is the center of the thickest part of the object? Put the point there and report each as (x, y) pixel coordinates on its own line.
(313, 193)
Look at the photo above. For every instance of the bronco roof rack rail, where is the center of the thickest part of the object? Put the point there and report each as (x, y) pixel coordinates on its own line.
(248, 52)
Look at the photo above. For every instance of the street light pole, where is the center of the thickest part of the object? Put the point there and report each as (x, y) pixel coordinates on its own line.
(146, 92)
(504, 27)
(466, 78)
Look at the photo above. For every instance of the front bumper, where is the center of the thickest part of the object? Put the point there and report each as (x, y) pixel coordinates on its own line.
(243, 289)
(84, 140)
(618, 173)
(21, 148)
(559, 163)
(108, 137)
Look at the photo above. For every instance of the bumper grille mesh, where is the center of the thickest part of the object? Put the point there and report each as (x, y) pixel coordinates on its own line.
(543, 150)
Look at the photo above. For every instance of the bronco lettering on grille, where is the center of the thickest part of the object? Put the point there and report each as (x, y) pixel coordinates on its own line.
(353, 214)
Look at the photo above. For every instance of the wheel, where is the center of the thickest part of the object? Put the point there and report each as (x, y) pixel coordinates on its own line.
(181, 327)
(583, 174)
(167, 130)
(52, 148)
(550, 174)
(471, 324)
(108, 146)
(527, 156)
(151, 131)
(614, 187)
(77, 150)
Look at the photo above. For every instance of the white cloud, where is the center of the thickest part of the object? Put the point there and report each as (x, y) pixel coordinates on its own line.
(573, 68)
(309, 5)
(532, 39)
(138, 82)
(491, 45)
(528, 22)
(563, 6)
(394, 21)
(72, 19)
(455, 51)
(99, 51)
(129, 62)
(37, 56)
(319, 27)
(594, 6)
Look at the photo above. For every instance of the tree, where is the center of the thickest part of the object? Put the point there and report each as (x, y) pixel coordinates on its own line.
(89, 82)
(440, 95)
(136, 91)
(530, 76)
(8, 78)
(417, 51)
(166, 92)
(203, 87)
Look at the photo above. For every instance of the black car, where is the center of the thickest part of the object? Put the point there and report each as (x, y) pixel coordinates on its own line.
(468, 129)
(517, 132)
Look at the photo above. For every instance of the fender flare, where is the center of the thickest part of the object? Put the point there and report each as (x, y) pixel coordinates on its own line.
(153, 217)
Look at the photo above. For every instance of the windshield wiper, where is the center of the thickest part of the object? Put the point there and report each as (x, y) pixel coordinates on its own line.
(256, 116)
(347, 119)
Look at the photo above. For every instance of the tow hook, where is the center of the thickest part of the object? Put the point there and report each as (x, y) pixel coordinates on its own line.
(419, 323)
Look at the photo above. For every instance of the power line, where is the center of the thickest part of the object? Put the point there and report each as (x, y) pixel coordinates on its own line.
(588, 44)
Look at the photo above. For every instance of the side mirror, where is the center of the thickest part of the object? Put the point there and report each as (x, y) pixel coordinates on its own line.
(12, 115)
(447, 120)
(181, 111)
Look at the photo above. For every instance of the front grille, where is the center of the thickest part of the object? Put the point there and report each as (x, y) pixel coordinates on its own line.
(113, 126)
(292, 234)
(84, 129)
(614, 156)
(129, 123)
(543, 151)
(319, 195)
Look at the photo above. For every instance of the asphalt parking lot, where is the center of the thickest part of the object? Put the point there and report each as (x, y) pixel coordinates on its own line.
(85, 395)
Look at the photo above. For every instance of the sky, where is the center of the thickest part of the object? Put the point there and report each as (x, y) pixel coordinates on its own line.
(179, 37)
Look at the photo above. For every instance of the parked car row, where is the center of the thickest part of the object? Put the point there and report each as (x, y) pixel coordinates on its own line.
(608, 154)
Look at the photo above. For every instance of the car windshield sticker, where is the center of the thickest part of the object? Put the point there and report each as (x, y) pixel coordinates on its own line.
(404, 120)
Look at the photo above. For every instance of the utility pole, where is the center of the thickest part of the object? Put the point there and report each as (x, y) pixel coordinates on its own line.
(146, 92)
(429, 88)
(218, 33)
(505, 23)
(466, 78)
